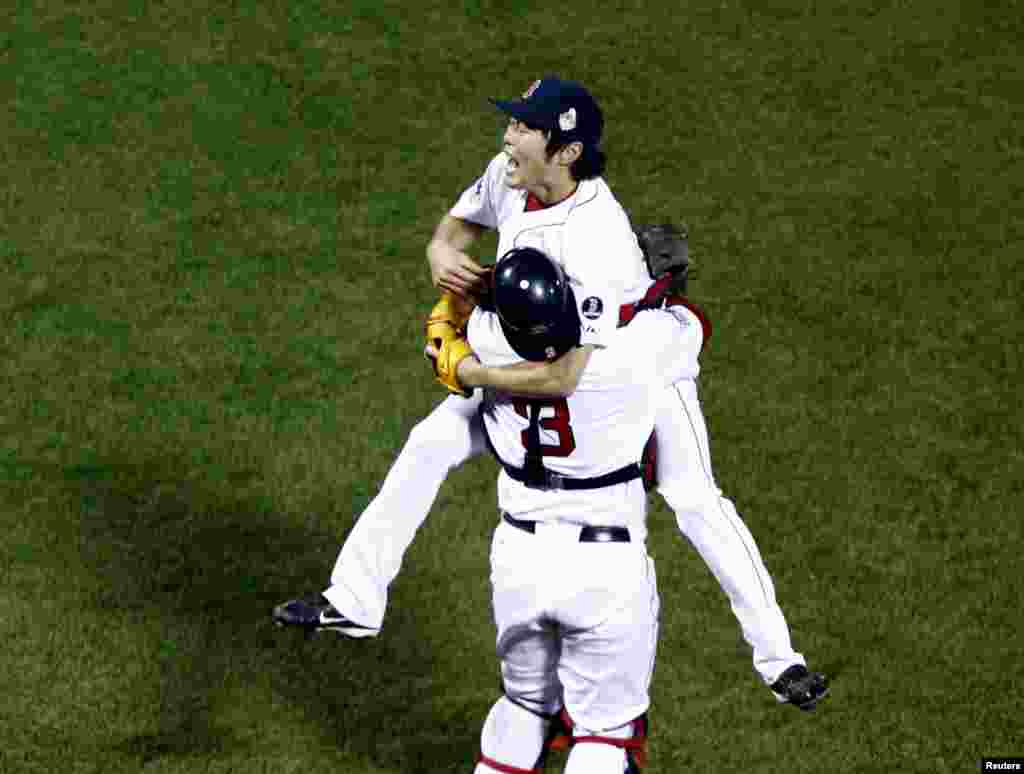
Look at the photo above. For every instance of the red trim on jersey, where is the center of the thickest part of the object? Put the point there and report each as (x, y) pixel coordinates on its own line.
(533, 203)
(503, 768)
(705, 321)
(649, 462)
(650, 300)
(628, 311)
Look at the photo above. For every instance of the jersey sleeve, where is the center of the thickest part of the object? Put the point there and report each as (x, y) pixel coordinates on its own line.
(479, 202)
(603, 258)
(658, 348)
(676, 339)
(598, 305)
(487, 339)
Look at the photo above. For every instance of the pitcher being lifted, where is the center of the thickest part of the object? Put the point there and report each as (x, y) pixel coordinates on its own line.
(545, 190)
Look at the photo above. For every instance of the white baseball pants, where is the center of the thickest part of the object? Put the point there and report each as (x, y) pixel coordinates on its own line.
(451, 434)
(577, 623)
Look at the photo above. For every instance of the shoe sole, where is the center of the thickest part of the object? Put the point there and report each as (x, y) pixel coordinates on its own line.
(807, 706)
(357, 632)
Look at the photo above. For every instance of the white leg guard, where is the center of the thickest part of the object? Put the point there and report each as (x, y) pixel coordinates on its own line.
(595, 759)
(595, 752)
(512, 740)
(372, 554)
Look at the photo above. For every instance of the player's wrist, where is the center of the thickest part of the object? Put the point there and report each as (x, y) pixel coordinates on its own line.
(470, 372)
(435, 256)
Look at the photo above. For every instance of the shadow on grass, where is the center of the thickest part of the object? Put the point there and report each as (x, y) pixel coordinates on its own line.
(204, 569)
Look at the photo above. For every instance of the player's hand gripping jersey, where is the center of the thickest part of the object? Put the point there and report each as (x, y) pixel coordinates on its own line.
(588, 234)
(600, 428)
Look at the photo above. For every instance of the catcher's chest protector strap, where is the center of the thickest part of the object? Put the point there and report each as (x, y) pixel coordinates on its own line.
(535, 473)
(635, 747)
(505, 769)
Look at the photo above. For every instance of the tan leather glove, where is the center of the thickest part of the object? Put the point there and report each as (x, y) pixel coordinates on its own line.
(446, 331)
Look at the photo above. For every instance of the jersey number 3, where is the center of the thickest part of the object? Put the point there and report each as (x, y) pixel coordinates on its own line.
(558, 423)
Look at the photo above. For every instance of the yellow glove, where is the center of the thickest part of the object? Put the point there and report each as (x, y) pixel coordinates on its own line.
(446, 365)
(446, 331)
(448, 317)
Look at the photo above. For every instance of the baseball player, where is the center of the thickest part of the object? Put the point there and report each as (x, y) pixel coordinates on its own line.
(575, 599)
(545, 190)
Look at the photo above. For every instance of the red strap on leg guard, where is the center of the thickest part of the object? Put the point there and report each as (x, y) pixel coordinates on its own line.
(504, 768)
(560, 733)
(636, 747)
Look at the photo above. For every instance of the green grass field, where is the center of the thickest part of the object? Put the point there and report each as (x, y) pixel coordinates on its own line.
(212, 280)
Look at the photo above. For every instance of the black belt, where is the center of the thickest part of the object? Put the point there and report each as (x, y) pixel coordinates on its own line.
(587, 534)
(539, 477)
(556, 481)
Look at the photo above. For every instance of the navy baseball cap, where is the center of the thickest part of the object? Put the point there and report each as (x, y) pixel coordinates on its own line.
(564, 108)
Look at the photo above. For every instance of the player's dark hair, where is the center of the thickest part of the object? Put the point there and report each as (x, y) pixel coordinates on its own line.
(590, 164)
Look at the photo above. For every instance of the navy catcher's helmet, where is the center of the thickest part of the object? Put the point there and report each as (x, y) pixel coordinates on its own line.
(535, 305)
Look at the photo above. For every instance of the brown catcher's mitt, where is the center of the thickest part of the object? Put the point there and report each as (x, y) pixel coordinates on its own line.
(667, 251)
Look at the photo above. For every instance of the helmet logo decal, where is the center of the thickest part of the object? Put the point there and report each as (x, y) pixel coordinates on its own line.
(592, 308)
(567, 121)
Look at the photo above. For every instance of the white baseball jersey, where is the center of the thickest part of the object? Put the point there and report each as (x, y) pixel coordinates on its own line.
(588, 234)
(601, 427)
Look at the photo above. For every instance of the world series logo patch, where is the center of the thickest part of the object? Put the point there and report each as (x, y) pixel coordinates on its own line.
(592, 308)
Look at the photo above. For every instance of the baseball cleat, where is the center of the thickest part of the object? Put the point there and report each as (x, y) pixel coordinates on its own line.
(315, 614)
(800, 687)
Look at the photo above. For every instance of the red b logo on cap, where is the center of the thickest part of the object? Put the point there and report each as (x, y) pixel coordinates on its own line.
(529, 91)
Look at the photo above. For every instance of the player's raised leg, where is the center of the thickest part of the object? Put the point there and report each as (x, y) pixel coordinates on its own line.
(711, 523)
(371, 556)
